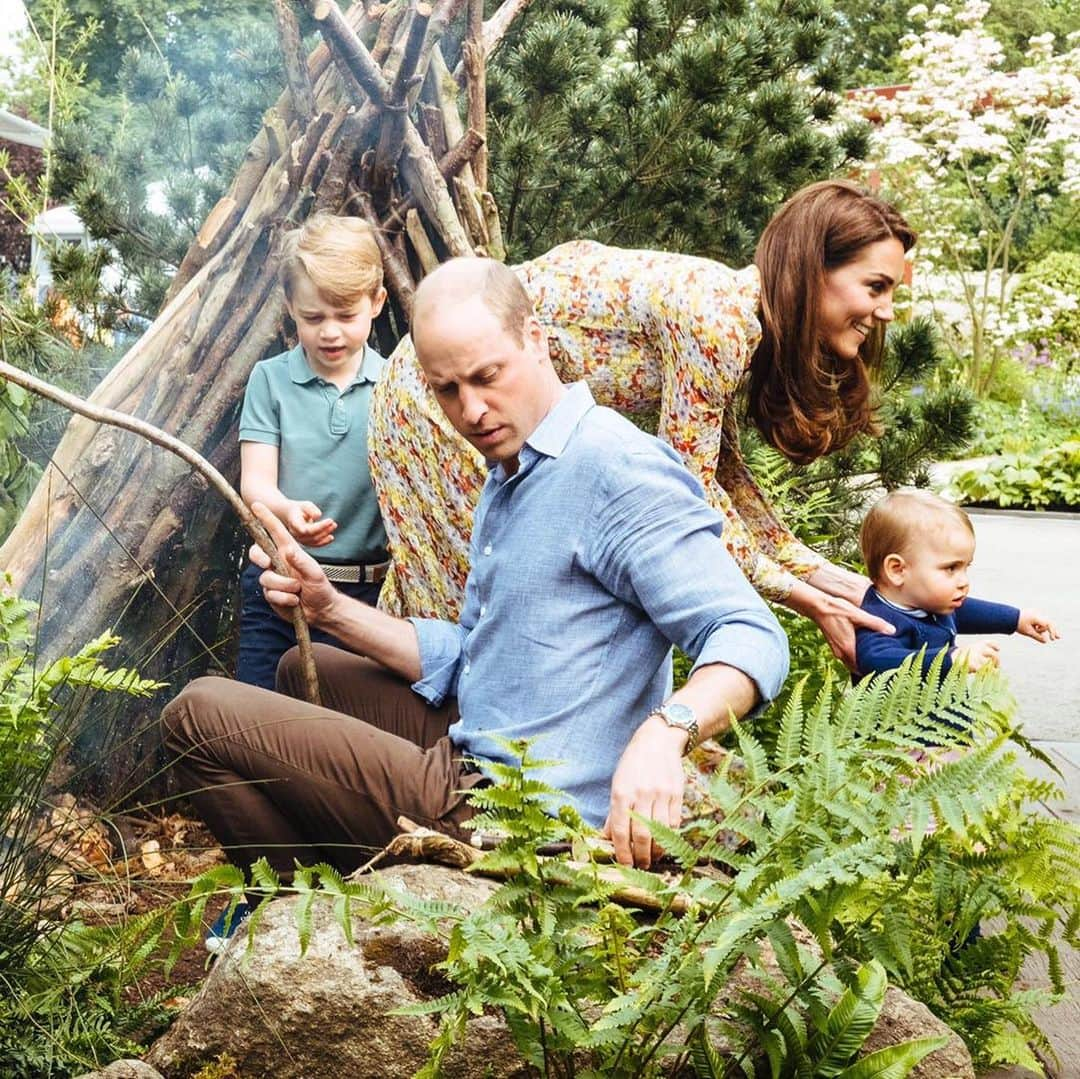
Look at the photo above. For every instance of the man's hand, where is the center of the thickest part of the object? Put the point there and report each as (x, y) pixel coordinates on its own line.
(1037, 627)
(307, 524)
(307, 587)
(837, 619)
(977, 655)
(649, 781)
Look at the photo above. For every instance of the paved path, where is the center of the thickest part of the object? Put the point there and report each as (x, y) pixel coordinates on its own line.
(1033, 560)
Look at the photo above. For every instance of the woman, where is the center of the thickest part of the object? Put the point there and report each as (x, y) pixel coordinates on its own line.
(802, 328)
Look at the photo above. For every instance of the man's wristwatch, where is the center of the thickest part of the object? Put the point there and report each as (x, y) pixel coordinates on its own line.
(679, 715)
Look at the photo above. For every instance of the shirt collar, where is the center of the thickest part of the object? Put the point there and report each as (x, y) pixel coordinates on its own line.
(554, 430)
(371, 367)
(915, 612)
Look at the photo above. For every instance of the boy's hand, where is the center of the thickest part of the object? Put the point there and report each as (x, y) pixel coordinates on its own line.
(977, 655)
(307, 524)
(1034, 625)
(307, 587)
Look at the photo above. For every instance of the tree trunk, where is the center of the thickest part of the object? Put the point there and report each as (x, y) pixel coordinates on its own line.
(121, 534)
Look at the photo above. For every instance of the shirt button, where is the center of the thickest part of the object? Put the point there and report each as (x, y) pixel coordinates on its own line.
(483, 610)
(487, 549)
(468, 667)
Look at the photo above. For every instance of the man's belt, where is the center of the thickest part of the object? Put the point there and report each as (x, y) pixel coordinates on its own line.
(370, 574)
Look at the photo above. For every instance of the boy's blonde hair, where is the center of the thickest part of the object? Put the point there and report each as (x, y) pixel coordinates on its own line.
(891, 525)
(339, 255)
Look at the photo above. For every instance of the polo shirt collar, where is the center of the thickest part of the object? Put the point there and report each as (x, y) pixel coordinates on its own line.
(371, 367)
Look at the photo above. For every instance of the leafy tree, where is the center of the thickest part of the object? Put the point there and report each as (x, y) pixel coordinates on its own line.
(161, 102)
(172, 26)
(872, 40)
(670, 124)
(976, 154)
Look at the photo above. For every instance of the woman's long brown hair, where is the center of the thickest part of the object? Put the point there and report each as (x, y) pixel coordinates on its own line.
(805, 401)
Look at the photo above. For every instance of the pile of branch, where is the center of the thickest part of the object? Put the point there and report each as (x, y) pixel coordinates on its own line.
(413, 169)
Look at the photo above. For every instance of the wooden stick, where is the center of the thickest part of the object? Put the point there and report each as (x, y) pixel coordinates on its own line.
(414, 227)
(427, 184)
(296, 68)
(427, 845)
(469, 205)
(162, 438)
(472, 56)
(495, 29)
(398, 278)
(450, 164)
(496, 247)
(343, 40)
(403, 64)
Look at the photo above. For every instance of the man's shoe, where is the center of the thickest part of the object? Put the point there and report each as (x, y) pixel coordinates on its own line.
(222, 930)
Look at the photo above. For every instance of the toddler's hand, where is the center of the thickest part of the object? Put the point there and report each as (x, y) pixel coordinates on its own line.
(977, 655)
(1034, 625)
(306, 523)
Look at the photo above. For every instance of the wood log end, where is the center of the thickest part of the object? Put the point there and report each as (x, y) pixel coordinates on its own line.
(214, 220)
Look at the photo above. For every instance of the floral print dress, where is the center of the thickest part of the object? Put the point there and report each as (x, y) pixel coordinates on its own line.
(648, 331)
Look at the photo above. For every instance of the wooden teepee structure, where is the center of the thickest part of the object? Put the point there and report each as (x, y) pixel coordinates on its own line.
(118, 533)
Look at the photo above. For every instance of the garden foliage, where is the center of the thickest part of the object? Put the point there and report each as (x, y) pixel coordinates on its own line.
(660, 123)
(976, 153)
(846, 853)
(1042, 481)
(62, 1003)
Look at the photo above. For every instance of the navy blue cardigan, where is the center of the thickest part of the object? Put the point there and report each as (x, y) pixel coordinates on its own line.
(875, 652)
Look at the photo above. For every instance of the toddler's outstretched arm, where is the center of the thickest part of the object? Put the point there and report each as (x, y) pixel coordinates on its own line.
(1036, 626)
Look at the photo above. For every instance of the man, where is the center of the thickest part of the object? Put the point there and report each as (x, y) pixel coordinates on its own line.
(592, 552)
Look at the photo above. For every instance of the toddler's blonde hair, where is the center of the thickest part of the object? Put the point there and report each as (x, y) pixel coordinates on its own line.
(893, 522)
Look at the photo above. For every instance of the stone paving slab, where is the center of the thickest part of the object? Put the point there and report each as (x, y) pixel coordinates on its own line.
(1033, 560)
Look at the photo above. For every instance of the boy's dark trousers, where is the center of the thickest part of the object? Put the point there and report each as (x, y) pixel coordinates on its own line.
(265, 638)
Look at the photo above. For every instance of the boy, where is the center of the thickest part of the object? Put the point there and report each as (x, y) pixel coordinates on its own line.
(304, 429)
(917, 549)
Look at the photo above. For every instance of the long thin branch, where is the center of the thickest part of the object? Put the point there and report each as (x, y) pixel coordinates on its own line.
(156, 435)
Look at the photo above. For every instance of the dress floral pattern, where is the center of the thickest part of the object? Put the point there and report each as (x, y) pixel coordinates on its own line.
(648, 331)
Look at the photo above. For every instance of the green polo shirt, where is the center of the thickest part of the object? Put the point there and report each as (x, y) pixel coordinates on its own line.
(322, 438)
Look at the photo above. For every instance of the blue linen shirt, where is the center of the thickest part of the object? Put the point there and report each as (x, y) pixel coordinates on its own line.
(322, 437)
(587, 564)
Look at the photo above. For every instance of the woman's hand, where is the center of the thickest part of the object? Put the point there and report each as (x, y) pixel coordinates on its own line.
(837, 581)
(837, 619)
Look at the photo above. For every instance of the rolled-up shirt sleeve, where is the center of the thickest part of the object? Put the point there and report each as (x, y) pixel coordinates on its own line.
(660, 546)
(442, 645)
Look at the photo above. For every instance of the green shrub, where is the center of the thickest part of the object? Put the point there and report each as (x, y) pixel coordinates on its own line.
(62, 1003)
(1056, 275)
(1047, 420)
(1010, 383)
(1047, 480)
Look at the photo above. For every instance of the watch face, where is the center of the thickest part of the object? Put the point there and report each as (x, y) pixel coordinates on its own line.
(678, 715)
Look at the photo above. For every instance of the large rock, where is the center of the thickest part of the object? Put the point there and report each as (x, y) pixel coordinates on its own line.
(124, 1069)
(328, 1015)
(903, 1019)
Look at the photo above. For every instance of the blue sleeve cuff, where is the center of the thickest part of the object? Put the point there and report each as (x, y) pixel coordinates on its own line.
(441, 645)
(761, 653)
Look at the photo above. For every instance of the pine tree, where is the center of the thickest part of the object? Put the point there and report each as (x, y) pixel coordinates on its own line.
(671, 124)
